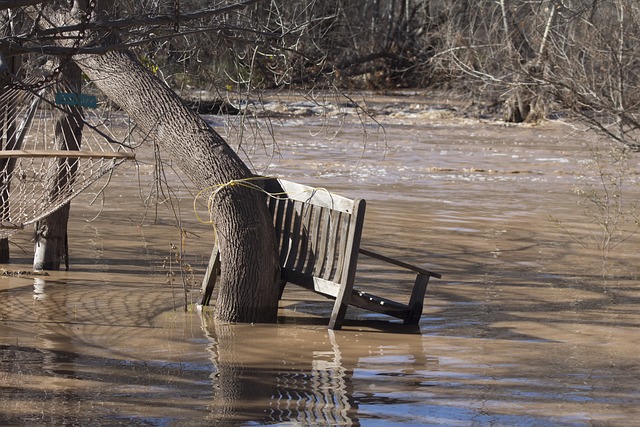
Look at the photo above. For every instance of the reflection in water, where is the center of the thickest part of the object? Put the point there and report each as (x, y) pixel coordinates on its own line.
(38, 289)
(308, 375)
(75, 352)
(321, 396)
(53, 359)
(305, 379)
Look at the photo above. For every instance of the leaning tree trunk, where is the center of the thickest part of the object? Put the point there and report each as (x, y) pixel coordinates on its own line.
(51, 243)
(248, 291)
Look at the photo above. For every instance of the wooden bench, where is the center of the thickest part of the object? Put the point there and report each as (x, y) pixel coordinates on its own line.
(318, 235)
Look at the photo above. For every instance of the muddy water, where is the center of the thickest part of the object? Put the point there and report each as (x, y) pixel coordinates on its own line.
(523, 329)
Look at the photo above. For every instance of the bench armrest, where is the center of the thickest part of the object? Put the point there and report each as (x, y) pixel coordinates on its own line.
(398, 263)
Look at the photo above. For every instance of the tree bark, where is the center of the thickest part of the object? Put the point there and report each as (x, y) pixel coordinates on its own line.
(249, 265)
(248, 291)
(51, 243)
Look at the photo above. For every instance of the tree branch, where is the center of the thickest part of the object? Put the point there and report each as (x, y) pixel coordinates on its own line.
(11, 45)
(148, 20)
(8, 4)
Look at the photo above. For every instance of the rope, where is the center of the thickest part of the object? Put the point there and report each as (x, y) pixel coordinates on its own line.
(244, 182)
(213, 190)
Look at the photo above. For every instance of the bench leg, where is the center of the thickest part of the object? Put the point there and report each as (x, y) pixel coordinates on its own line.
(416, 302)
(282, 284)
(210, 276)
(340, 308)
(337, 315)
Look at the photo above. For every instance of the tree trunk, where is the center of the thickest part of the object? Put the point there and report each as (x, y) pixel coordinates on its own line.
(7, 140)
(525, 102)
(248, 291)
(51, 243)
(5, 254)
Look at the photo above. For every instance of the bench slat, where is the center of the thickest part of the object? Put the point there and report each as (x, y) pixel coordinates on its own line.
(352, 235)
(285, 249)
(277, 208)
(342, 227)
(312, 283)
(301, 235)
(315, 240)
(295, 236)
(316, 196)
(332, 243)
(307, 239)
(324, 218)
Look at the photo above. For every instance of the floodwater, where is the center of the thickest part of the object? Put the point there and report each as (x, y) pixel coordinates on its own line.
(532, 323)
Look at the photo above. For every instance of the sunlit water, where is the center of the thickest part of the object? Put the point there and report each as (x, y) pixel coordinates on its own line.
(527, 326)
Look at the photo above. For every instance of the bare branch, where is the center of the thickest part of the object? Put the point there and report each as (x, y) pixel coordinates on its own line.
(11, 46)
(8, 4)
(139, 21)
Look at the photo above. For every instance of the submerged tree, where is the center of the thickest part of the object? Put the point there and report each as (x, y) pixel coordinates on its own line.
(51, 243)
(84, 32)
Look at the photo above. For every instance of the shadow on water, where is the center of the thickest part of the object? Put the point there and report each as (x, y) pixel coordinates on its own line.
(58, 387)
(77, 353)
(69, 356)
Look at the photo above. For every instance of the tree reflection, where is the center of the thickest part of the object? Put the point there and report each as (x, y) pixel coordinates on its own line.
(269, 374)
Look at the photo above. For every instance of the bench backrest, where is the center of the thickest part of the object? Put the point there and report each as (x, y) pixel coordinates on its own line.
(318, 235)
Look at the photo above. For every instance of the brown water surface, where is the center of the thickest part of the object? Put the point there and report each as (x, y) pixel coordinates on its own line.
(523, 329)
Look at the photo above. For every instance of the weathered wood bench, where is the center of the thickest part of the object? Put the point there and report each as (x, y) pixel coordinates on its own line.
(318, 235)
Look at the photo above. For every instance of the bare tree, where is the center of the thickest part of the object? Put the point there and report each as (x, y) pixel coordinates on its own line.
(596, 67)
(575, 55)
